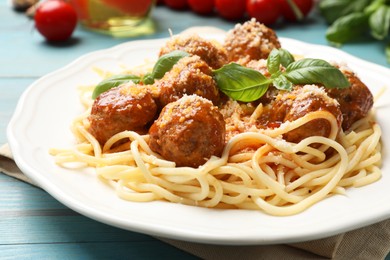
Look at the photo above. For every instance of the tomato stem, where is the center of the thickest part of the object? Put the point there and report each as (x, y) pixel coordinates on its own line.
(298, 13)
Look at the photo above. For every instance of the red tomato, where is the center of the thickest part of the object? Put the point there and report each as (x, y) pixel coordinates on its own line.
(176, 4)
(81, 7)
(304, 5)
(265, 11)
(230, 9)
(55, 20)
(201, 6)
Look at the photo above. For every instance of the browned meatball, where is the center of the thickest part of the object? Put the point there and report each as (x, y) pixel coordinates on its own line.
(259, 65)
(290, 106)
(250, 41)
(355, 101)
(209, 51)
(126, 107)
(190, 75)
(188, 131)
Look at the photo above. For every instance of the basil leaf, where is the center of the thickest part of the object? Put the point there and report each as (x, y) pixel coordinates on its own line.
(241, 83)
(315, 71)
(273, 61)
(380, 22)
(375, 4)
(148, 79)
(387, 52)
(163, 64)
(166, 62)
(286, 57)
(282, 83)
(112, 82)
(347, 28)
(331, 10)
(278, 57)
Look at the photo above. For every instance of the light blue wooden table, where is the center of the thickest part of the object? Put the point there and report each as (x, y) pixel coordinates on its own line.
(32, 223)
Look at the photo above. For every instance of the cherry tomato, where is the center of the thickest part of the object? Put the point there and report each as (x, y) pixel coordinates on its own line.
(201, 6)
(304, 6)
(55, 20)
(176, 4)
(230, 9)
(265, 11)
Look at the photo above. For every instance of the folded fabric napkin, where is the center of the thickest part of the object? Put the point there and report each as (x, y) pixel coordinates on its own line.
(372, 242)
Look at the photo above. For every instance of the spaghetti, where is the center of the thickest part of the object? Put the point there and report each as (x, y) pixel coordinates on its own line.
(298, 177)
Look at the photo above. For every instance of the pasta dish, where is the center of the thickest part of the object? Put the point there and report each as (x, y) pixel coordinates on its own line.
(239, 124)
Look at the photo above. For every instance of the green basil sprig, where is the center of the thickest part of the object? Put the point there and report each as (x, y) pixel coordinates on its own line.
(246, 84)
(350, 20)
(332, 10)
(242, 83)
(276, 58)
(279, 57)
(163, 65)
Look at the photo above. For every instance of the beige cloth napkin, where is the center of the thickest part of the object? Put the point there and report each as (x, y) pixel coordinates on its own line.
(371, 243)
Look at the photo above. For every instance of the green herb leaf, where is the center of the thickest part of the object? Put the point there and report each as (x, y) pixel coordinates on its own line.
(373, 6)
(278, 57)
(112, 82)
(347, 28)
(331, 10)
(273, 61)
(380, 22)
(163, 64)
(241, 83)
(286, 57)
(166, 62)
(315, 71)
(352, 19)
(282, 83)
(147, 79)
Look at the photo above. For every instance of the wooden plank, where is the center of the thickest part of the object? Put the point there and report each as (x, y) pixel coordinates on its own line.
(33, 225)
(52, 228)
(28, 210)
(10, 91)
(86, 250)
(15, 195)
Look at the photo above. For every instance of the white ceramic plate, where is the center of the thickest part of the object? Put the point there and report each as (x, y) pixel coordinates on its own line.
(46, 109)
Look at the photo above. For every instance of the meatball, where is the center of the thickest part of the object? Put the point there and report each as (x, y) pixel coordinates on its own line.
(190, 75)
(259, 65)
(355, 101)
(188, 131)
(250, 41)
(290, 106)
(126, 107)
(209, 51)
